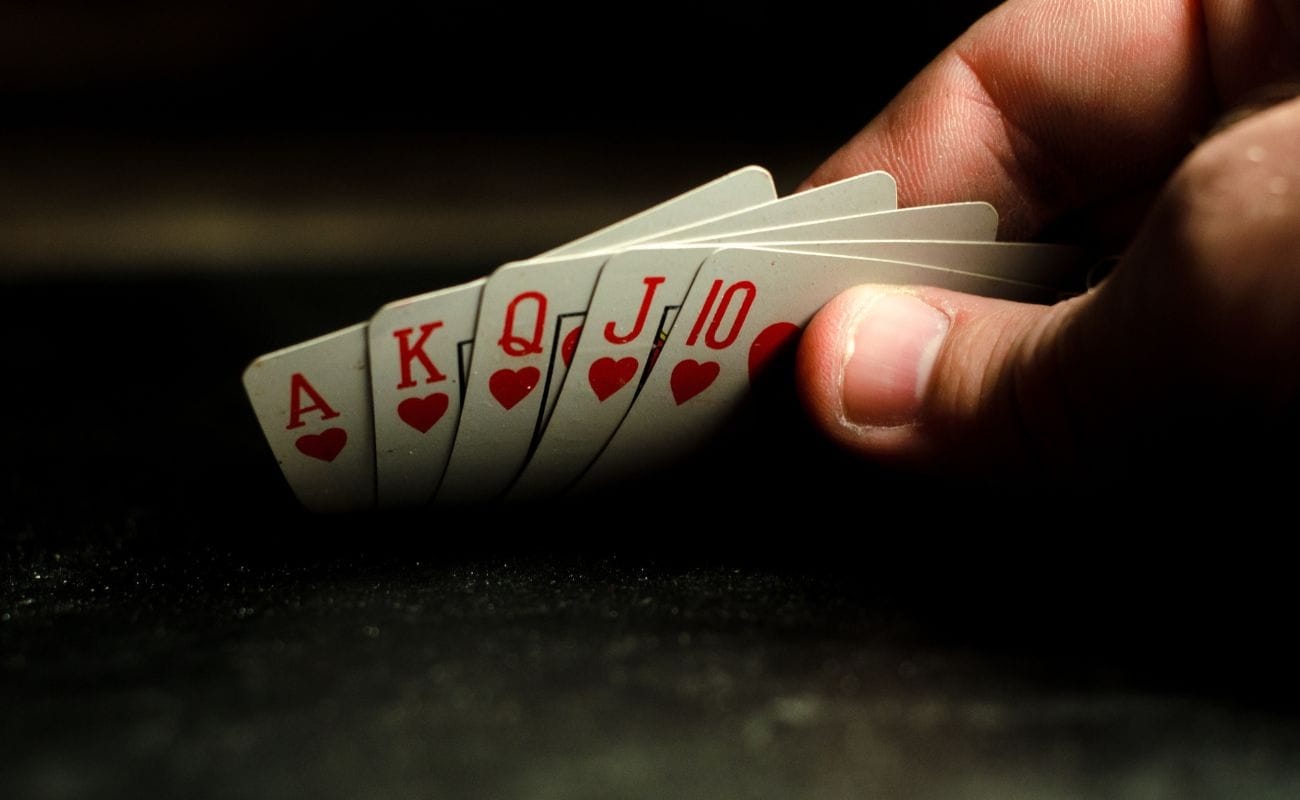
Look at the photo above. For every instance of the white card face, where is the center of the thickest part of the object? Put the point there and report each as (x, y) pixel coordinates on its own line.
(861, 194)
(416, 347)
(1062, 268)
(313, 403)
(742, 305)
(736, 190)
(634, 297)
(524, 307)
(966, 222)
(519, 366)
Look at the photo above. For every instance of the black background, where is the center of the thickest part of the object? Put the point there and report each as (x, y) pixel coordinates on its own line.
(778, 620)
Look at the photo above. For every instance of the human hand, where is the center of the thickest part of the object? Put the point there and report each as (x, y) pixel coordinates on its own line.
(1070, 117)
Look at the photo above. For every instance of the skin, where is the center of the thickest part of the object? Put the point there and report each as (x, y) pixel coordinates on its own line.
(1095, 120)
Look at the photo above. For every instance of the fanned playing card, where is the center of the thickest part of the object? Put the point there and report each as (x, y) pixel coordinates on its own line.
(530, 323)
(743, 304)
(399, 475)
(637, 298)
(313, 403)
(611, 355)
(419, 350)
(632, 308)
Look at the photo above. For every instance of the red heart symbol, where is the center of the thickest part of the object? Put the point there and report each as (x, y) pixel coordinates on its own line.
(569, 345)
(422, 413)
(325, 445)
(690, 377)
(768, 343)
(608, 376)
(509, 386)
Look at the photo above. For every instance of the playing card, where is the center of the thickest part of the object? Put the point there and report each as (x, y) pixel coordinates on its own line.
(740, 189)
(313, 403)
(632, 307)
(967, 222)
(741, 307)
(418, 348)
(867, 193)
(1056, 266)
(529, 324)
(743, 188)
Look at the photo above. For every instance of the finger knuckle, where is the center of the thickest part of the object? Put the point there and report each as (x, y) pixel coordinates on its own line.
(1236, 218)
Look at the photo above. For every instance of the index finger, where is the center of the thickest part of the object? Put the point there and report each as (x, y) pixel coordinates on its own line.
(1046, 106)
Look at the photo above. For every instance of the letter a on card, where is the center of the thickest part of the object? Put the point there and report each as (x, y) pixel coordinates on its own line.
(315, 414)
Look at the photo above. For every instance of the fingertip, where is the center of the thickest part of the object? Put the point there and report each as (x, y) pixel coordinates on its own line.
(820, 359)
(865, 363)
(824, 174)
(853, 158)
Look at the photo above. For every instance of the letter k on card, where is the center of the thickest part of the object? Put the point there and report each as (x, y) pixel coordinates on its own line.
(417, 354)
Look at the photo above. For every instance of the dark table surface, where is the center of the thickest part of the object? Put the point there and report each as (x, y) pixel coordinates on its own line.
(796, 625)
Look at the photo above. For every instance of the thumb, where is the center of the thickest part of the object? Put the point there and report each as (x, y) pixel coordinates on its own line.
(1194, 336)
